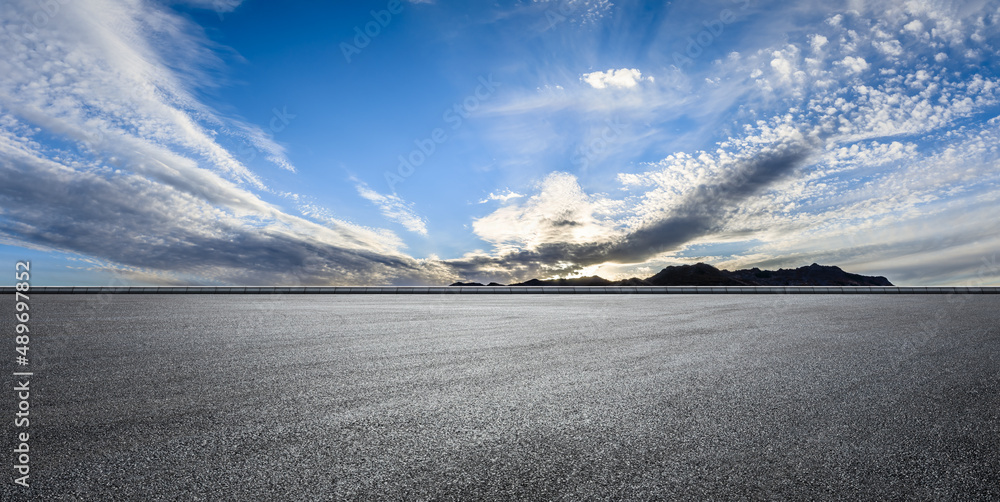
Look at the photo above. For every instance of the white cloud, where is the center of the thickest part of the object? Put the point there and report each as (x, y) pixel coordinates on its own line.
(394, 208)
(559, 213)
(854, 64)
(783, 66)
(817, 42)
(624, 78)
(259, 140)
(502, 197)
(786, 64)
(888, 47)
(914, 26)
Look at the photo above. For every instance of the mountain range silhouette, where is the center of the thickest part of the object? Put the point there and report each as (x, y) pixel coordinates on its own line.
(703, 274)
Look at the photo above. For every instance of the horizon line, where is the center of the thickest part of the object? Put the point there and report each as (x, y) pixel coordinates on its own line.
(506, 290)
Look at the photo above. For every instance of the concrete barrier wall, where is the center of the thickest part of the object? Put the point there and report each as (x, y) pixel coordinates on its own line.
(6, 290)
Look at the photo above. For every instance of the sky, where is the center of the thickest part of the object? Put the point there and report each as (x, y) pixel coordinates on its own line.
(229, 142)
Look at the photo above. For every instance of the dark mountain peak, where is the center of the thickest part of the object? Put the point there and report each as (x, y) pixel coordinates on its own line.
(633, 281)
(699, 274)
(818, 267)
(699, 267)
(466, 284)
(812, 275)
(576, 281)
(532, 282)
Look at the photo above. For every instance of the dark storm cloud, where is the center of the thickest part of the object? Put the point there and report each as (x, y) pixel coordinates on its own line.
(136, 222)
(706, 206)
(698, 214)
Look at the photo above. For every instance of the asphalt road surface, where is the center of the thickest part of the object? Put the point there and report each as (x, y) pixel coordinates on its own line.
(533, 397)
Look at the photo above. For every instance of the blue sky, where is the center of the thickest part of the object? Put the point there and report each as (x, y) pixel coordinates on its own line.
(423, 142)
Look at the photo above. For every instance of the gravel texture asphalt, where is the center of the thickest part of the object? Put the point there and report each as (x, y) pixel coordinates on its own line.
(533, 397)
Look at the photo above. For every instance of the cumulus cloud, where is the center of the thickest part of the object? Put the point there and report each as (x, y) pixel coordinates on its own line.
(782, 66)
(624, 78)
(817, 42)
(854, 64)
(559, 212)
(888, 47)
(914, 26)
